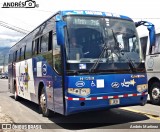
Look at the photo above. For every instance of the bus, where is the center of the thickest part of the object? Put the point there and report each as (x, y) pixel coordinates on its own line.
(152, 56)
(106, 70)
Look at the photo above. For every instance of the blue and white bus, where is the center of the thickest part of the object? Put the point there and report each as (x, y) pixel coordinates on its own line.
(105, 70)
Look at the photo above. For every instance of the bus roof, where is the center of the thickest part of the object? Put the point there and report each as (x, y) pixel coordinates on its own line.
(80, 12)
(94, 13)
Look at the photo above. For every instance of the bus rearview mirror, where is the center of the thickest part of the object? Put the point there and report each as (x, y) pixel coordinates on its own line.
(60, 32)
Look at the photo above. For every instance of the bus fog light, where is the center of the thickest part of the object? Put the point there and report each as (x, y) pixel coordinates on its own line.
(85, 91)
(141, 88)
(79, 91)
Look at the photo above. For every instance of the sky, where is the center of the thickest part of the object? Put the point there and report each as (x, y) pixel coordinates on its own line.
(29, 18)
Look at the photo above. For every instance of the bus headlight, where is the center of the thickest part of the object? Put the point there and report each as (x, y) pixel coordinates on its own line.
(79, 91)
(142, 87)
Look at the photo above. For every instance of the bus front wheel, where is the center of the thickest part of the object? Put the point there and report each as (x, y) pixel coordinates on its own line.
(155, 93)
(43, 104)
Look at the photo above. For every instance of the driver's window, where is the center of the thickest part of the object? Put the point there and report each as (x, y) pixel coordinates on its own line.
(56, 55)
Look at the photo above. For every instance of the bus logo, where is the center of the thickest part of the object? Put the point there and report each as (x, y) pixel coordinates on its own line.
(44, 69)
(115, 85)
(80, 84)
(128, 83)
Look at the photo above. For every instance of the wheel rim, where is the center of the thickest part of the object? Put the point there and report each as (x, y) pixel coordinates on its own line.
(156, 93)
(43, 102)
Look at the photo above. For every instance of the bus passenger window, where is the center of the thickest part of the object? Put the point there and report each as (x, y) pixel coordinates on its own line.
(50, 41)
(44, 43)
(37, 46)
(15, 56)
(28, 51)
(18, 55)
(144, 41)
(20, 52)
(157, 45)
(25, 52)
(33, 48)
(10, 58)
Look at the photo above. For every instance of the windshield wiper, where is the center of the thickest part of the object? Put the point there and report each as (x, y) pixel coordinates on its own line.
(95, 65)
(130, 63)
(115, 39)
(78, 72)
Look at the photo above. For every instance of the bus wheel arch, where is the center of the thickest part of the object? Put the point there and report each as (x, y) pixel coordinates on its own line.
(154, 90)
(42, 99)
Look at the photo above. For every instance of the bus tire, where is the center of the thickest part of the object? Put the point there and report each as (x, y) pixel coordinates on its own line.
(155, 93)
(43, 104)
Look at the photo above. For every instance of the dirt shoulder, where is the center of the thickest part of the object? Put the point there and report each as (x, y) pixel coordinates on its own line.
(5, 118)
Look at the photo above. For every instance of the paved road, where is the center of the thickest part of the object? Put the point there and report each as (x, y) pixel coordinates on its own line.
(117, 119)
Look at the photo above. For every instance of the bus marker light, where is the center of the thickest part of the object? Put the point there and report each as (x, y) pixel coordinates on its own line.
(142, 87)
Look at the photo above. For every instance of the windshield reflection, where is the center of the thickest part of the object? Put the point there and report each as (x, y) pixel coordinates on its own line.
(101, 42)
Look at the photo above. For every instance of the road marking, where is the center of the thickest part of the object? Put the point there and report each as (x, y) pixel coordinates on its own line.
(156, 117)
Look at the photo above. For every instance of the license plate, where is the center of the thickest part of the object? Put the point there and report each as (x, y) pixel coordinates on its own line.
(114, 101)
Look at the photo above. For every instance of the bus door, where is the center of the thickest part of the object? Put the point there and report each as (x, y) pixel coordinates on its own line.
(10, 77)
(11, 72)
(57, 78)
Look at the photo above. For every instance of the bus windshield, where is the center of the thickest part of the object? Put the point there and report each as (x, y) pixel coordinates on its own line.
(109, 43)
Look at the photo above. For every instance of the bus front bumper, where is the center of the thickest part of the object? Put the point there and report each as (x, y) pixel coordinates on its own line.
(76, 105)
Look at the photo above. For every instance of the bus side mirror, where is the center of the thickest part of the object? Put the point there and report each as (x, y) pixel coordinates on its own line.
(60, 32)
(151, 30)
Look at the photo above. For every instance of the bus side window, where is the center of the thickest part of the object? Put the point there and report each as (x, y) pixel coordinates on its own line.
(20, 54)
(144, 42)
(15, 56)
(50, 41)
(33, 48)
(28, 50)
(56, 55)
(44, 43)
(157, 44)
(10, 58)
(24, 52)
(37, 46)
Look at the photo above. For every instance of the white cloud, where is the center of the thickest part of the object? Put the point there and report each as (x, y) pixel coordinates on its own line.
(9, 37)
